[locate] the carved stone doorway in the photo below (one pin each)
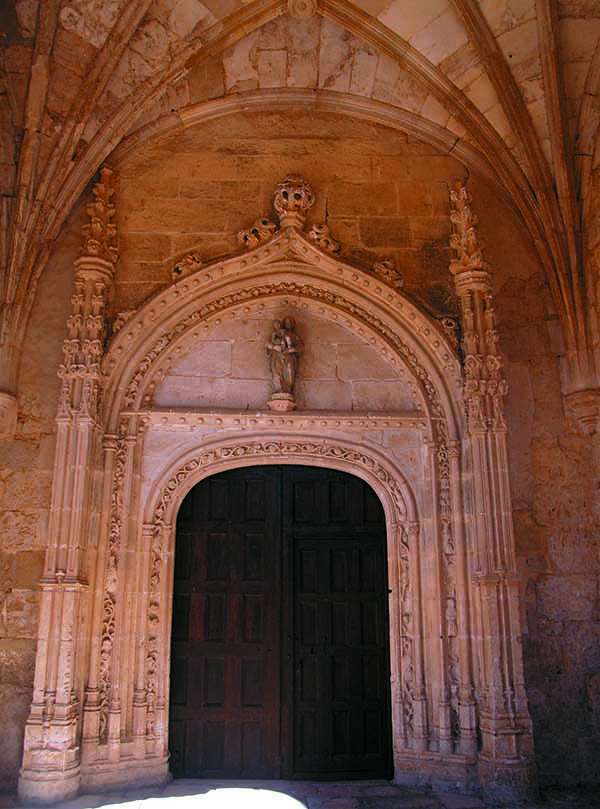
(280, 639)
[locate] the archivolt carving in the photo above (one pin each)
(316, 449)
(304, 450)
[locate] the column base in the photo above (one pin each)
(506, 783)
(128, 772)
(448, 773)
(48, 787)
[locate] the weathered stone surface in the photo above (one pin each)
(92, 20)
(69, 98)
(335, 373)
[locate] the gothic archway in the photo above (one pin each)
(279, 650)
(442, 480)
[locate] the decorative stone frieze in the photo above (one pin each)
(190, 420)
(121, 448)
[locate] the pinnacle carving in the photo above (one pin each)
(484, 384)
(100, 234)
(293, 199)
(464, 241)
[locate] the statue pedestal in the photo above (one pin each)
(281, 403)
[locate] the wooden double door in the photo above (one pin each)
(280, 651)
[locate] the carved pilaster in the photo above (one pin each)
(505, 759)
(51, 752)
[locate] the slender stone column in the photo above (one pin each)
(506, 757)
(51, 758)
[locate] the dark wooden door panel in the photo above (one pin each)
(339, 717)
(224, 711)
(274, 553)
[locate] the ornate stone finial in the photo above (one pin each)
(302, 9)
(100, 235)
(261, 232)
(283, 349)
(186, 266)
(293, 199)
(320, 235)
(386, 270)
(464, 241)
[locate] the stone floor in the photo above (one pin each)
(200, 794)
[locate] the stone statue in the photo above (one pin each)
(284, 349)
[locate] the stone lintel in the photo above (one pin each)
(298, 419)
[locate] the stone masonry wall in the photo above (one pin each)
(382, 194)
(26, 465)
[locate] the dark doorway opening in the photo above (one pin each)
(280, 637)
